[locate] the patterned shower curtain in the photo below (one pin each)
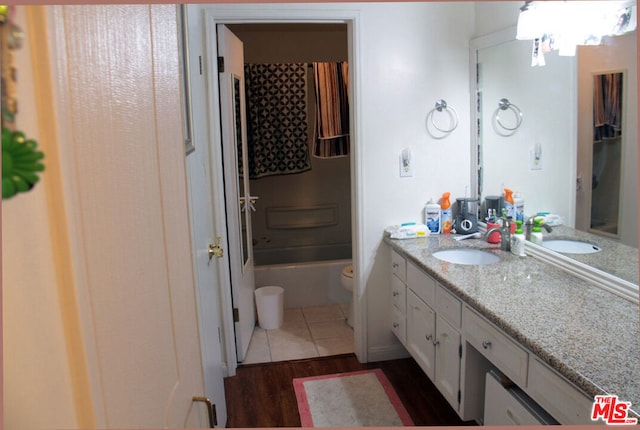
(332, 109)
(277, 137)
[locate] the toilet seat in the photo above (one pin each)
(348, 271)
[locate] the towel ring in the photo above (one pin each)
(503, 105)
(441, 105)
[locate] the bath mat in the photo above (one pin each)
(354, 399)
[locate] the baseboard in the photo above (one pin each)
(388, 352)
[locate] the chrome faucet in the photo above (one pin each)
(529, 226)
(505, 234)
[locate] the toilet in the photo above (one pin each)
(346, 280)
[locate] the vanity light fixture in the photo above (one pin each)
(562, 25)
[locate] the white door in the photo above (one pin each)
(203, 230)
(127, 211)
(236, 184)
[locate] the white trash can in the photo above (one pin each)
(270, 305)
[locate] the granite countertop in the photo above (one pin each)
(588, 335)
(615, 258)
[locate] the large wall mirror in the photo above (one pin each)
(551, 158)
(606, 170)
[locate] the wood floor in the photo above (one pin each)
(261, 395)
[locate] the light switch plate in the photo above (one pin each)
(535, 158)
(406, 163)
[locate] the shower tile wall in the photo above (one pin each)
(328, 182)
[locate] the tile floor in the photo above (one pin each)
(315, 331)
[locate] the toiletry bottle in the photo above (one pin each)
(445, 215)
(518, 204)
(508, 203)
(517, 240)
(536, 232)
(432, 216)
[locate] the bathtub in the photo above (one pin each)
(305, 283)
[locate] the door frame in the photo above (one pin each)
(266, 14)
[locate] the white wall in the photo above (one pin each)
(412, 55)
(38, 390)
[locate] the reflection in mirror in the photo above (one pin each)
(242, 203)
(607, 152)
(533, 151)
(549, 158)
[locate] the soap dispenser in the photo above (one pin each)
(536, 232)
(517, 240)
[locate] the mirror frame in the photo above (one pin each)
(595, 276)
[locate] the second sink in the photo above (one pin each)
(466, 256)
(570, 246)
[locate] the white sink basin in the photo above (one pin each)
(571, 246)
(466, 256)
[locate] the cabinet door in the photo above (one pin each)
(447, 350)
(421, 325)
(399, 325)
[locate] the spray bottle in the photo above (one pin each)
(445, 214)
(508, 204)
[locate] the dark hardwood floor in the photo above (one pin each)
(261, 395)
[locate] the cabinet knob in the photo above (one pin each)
(396, 294)
(394, 265)
(396, 325)
(428, 337)
(436, 343)
(486, 344)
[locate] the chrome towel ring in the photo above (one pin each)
(441, 105)
(503, 105)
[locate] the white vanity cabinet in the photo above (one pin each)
(552, 392)
(456, 347)
(433, 338)
(398, 297)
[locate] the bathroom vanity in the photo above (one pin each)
(550, 339)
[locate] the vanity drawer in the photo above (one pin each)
(557, 396)
(399, 266)
(498, 348)
(399, 325)
(448, 306)
(399, 294)
(422, 284)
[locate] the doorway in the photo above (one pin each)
(302, 221)
(203, 20)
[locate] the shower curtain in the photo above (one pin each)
(277, 136)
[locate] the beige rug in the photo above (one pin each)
(354, 399)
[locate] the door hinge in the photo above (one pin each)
(236, 315)
(220, 64)
(460, 350)
(200, 63)
(459, 396)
